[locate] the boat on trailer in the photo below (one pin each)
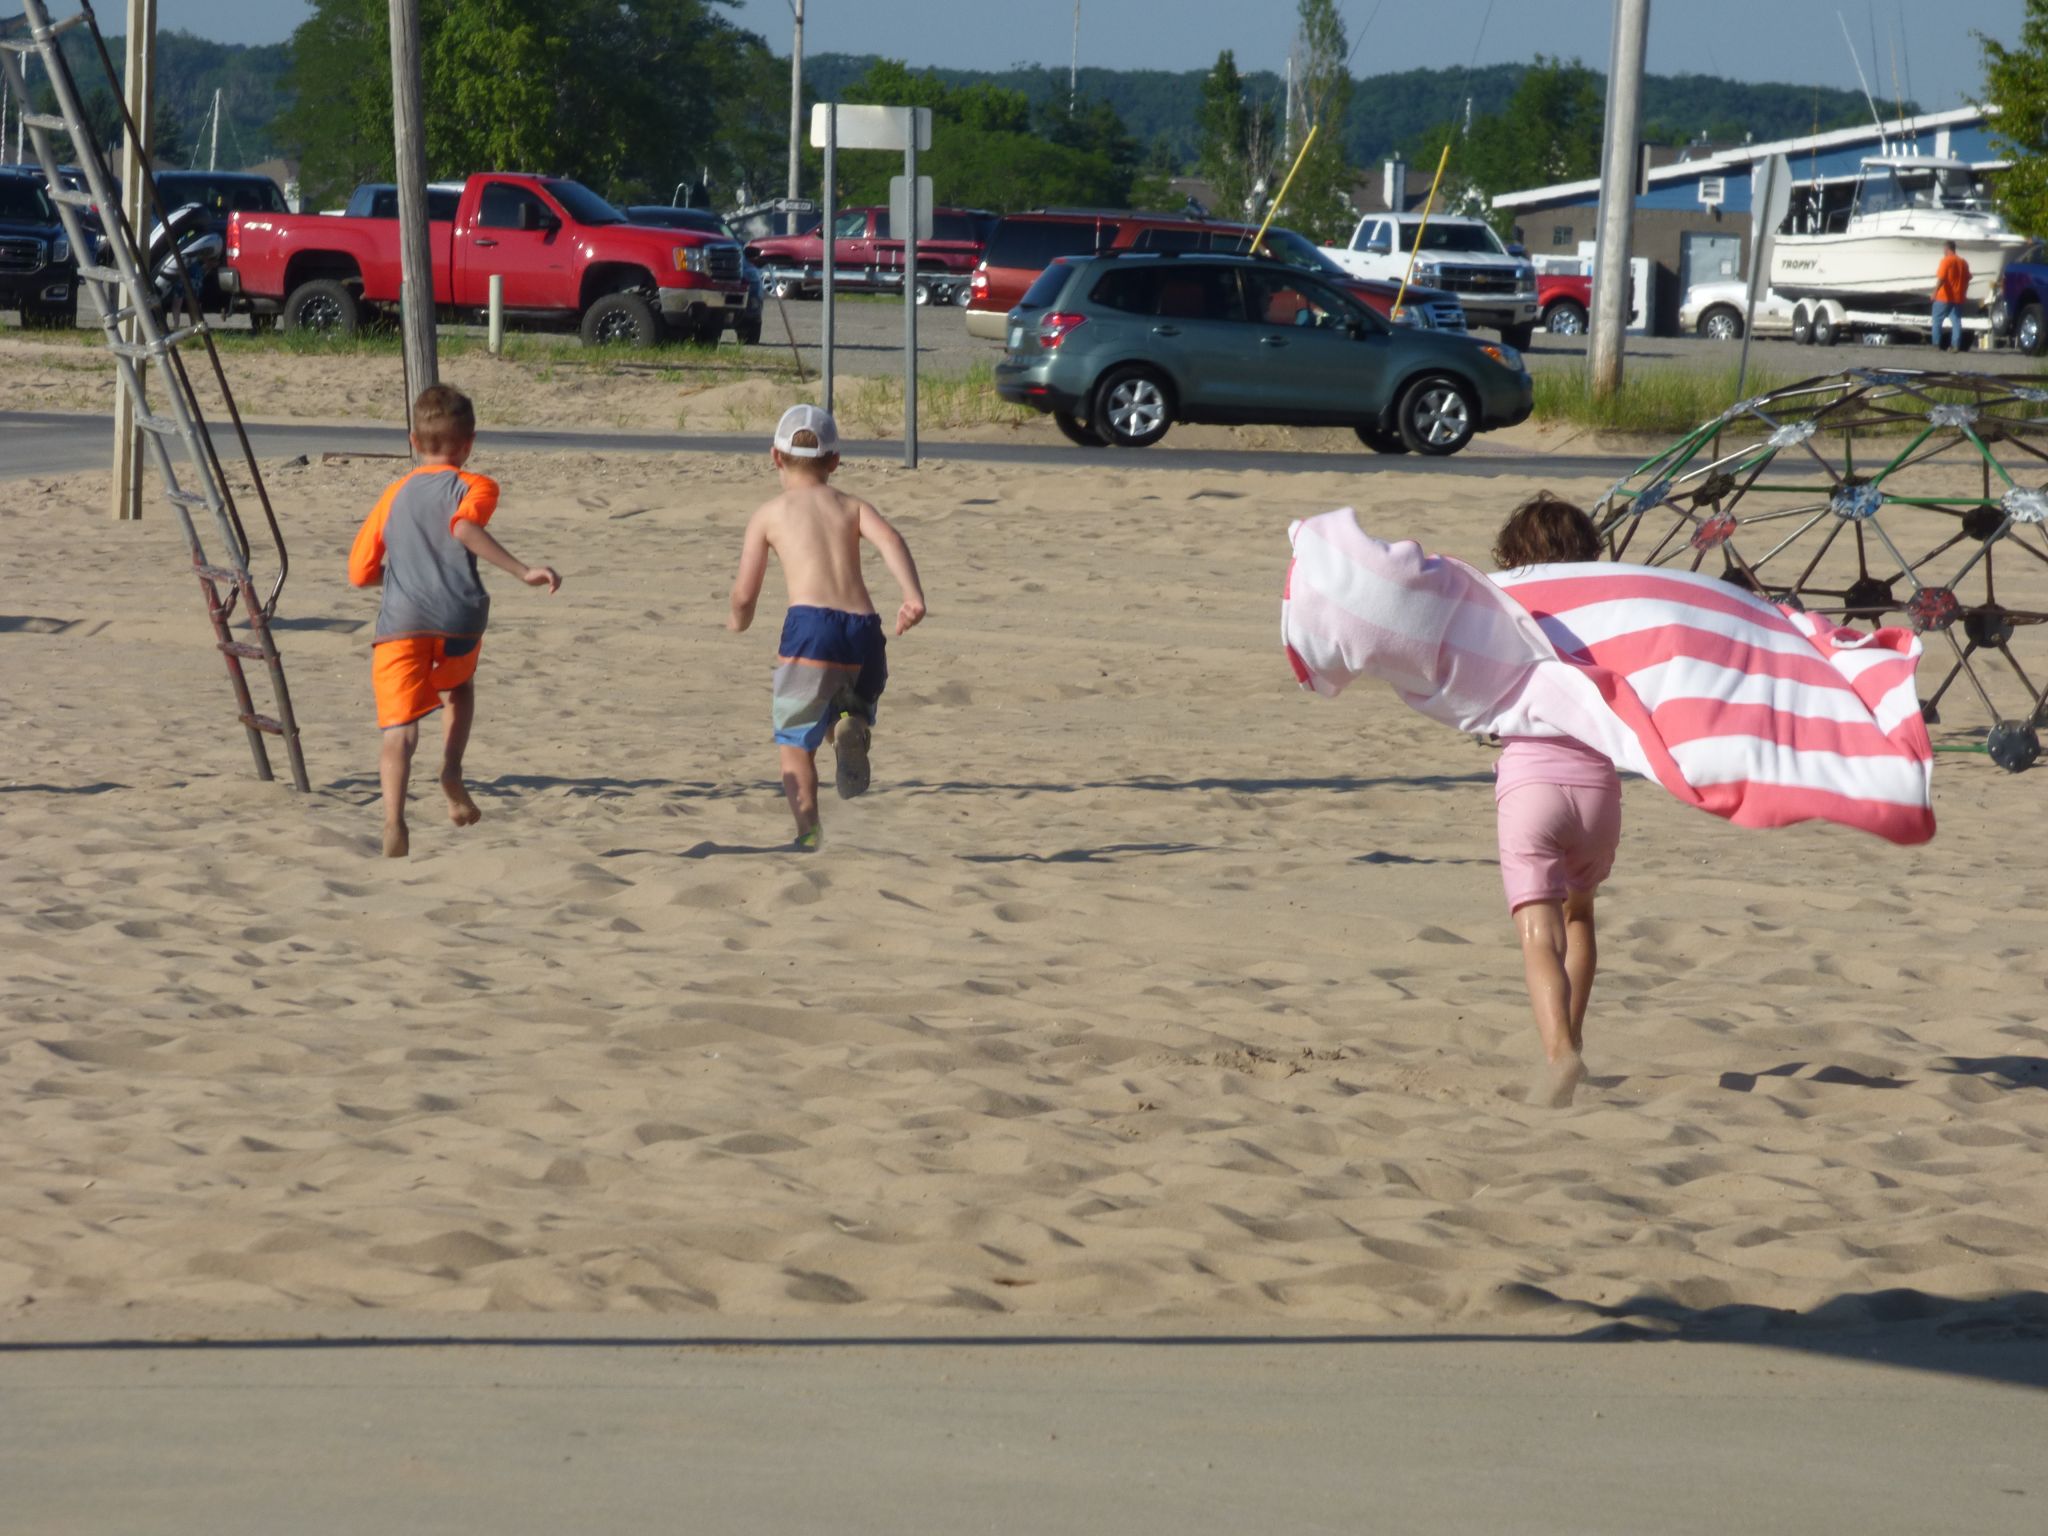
(1881, 251)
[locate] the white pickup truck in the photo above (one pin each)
(1496, 285)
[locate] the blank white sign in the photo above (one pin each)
(874, 127)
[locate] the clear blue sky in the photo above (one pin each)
(1789, 40)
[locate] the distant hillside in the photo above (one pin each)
(1390, 112)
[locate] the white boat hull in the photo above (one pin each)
(1884, 267)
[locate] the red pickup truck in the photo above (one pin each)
(866, 255)
(1563, 301)
(566, 255)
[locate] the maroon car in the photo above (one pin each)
(867, 255)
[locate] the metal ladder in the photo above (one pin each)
(120, 284)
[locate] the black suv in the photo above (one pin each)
(38, 273)
(1119, 347)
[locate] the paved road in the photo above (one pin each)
(864, 1436)
(58, 442)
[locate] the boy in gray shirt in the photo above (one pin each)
(420, 543)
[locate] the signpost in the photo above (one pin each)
(139, 84)
(1770, 201)
(835, 127)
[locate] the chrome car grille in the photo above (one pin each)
(1489, 280)
(723, 264)
(20, 255)
(1447, 316)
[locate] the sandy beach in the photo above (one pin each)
(1145, 986)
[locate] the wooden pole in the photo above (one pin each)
(1617, 196)
(796, 112)
(139, 86)
(422, 366)
(909, 235)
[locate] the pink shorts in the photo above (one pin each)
(1556, 839)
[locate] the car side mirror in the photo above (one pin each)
(1518, 250)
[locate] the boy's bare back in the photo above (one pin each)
(815, 532)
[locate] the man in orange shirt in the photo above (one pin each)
(1951, 293)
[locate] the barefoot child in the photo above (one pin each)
(831, 666)
(420, 543)
(1558, 804)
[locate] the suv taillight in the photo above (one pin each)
(1057, 327)
(978, 285)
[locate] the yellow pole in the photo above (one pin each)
(1260, 238)
(1421, 229)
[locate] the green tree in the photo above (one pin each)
(2016, 87)
(1318, 204)
(1238, 138)
(630, 97)
(1548, 131)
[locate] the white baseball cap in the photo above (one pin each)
(813, 419)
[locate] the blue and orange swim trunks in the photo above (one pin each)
(830, 663)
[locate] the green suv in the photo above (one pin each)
(1119, 347)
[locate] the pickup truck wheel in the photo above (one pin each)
(621, 320)
(1436, 416)
(1132, 408)
(1381, 439)
(2030, 335)
(1520, 337)
(1721, 323)
(323, 307)
(1565, 318)
(1075, 430)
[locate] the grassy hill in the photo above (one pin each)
(1389, 112)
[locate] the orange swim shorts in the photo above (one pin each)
(410, 675)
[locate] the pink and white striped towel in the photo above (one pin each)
(1763, 715)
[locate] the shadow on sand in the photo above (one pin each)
(2002, 1339)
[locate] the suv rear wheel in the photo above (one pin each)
(1075, 430)
(1132, 407)
(1436, 416)
(1381, 439)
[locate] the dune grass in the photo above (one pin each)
(1652, 401)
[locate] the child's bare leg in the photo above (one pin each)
(800, 786)
(461, 714)
(394, 768)
(1541, 927)
(1581, 959)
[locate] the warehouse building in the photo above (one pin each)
(1692, 218)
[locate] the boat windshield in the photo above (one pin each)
(1896, 188)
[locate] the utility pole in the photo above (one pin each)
(1074, 65)
(796, 112)
(1287, 132)
(1617, 196)
(138, 85)
(408, 136)
(213, 142)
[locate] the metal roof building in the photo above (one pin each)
(1692, 218)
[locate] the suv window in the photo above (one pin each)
(1033, 243)
(953, 226)
(1046, 286)
(1170, 238)
(1171, 290)
(1289, 298)
(502, 200)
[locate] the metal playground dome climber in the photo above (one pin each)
(1876, 497)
